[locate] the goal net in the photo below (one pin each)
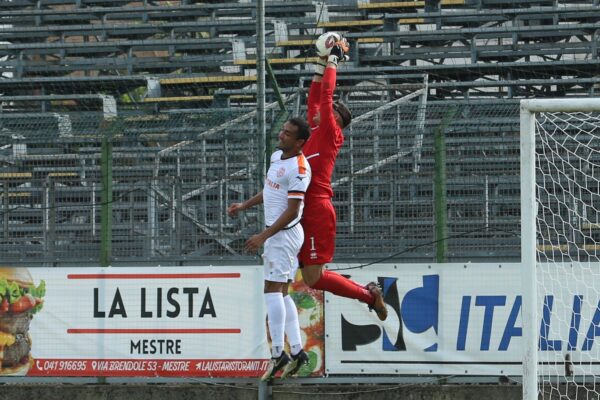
(560, 173)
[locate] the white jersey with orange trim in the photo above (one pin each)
(287, 178)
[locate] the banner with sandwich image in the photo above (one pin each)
(179, 321)
(20, 299)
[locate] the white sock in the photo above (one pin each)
(276, 314)
(292, 326)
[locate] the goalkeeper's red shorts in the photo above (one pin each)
(318, 222)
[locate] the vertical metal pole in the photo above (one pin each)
(46, 215)
(221, 208)
(204, 182)
(439, 190)
(300, 96)
(179, 217)
(6, 207)
(106, 200)
(105, 217)
(178, 206)
(173, 215)
(421, 115)
(93, 216)
(376, 150)
(351, 183)
(260, 90)
(261, 128)
(265, 391)
(528, 255)
(275, 85)
(49, 219)
(131, 214)
(486, 187)
(392, 189)
(152, 217)
(225, 201)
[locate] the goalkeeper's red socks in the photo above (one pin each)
(342, 286)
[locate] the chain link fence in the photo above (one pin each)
(173, 175)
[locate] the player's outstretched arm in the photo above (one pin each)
(314, 93)
(319, 69)
(234, 208)
(336, 55)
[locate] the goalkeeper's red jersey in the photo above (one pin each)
(325, 140)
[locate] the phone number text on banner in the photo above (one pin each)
(147, 368)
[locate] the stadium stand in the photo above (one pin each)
(179, 69)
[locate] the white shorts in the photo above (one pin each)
(281, 254)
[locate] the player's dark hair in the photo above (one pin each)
(303, 128)
(344, 112)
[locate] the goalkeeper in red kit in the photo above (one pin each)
(327, 119)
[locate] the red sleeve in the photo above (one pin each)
(327, 123)
(314, 95)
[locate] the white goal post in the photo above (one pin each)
(573, 129)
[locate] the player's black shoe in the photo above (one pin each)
(275, 365)
(298, 361)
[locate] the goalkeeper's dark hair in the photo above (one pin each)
(344, 112)
(303, 128)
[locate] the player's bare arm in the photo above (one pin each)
(234, 208)
(291, 213)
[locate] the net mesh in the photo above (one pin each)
(568, 231)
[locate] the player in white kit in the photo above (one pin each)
(283, 196)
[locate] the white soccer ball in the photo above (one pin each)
(325, 42)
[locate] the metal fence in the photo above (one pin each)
(173, 175)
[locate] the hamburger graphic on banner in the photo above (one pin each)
(20, 299)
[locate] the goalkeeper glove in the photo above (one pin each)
(320, 67)
(338, 53)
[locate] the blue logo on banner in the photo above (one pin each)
(417, 313)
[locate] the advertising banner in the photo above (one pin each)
(176, 321)
(309, 303)
(463, 319)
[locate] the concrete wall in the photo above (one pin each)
(250, 392)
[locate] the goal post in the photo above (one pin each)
(560, 197)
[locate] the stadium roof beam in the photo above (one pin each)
(133, 65)
(367, 5)
(109, 104)
(350, 76)
(531, 32)
(478, 51)
(295, 5)
(72, 84)
(152, 13)
(115, 46)
(456, 71)
(578, 13)
(105, 31)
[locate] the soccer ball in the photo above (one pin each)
(325, 42)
